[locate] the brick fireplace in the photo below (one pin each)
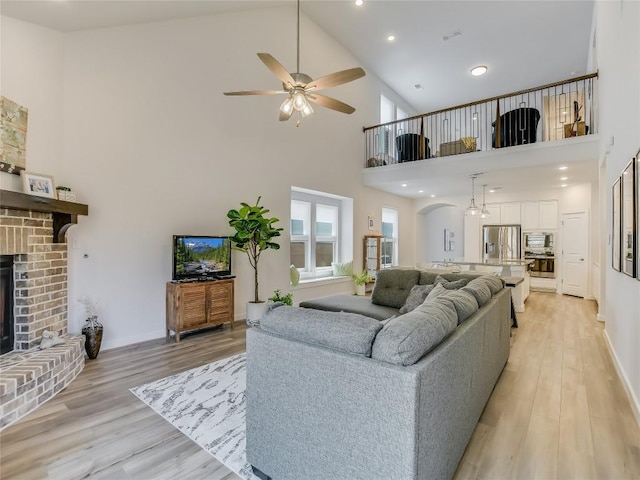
(32, 234)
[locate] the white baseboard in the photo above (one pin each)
(633, 400)
(600, 318)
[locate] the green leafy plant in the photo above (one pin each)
(254, 234)
(287, 298)
(362, 278)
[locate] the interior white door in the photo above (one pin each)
(575, 249)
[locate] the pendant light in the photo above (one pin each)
(484, 213)
(472, 210)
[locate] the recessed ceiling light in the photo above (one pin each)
(564, 178)
(479, 70)
(391, 38)
(562, 168)
(420, 191)
(563, 185)
(433, 195)
(403, 185)
(359, 3)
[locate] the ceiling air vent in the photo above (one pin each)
(451, 35)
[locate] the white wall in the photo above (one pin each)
(618, 58)
(432, 225)
(153, 147)
(31, 74)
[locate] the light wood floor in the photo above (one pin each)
(558, 411)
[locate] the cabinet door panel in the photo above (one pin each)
(530, 214)
(220, 302)
(549, 215)
(510, 213)
(192, 306)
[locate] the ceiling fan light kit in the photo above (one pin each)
(301, 88)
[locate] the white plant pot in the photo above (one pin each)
(254, 313)
(361, 290)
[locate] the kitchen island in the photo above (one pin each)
(515, 274)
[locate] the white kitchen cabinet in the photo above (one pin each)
(530, 215)
(494, 217)
(548, 218)
(510, 213)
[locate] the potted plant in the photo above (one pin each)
(287, 299)
(254, 234)
(361, 280)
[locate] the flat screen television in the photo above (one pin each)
(200, 257)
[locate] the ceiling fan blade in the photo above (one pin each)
(277, 69)
(331, 103)
(337, 78)
(256, 92)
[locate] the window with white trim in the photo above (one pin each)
(389, 244)
(317, 236)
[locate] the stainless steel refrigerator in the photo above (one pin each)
(501, 242)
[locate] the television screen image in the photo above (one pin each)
(201, 256)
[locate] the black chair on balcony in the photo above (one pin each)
(408, 146)
(517, 127)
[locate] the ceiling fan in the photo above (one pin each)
(301, 88)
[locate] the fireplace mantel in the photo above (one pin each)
(65, 214)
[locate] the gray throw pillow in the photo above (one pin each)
(417, 295)
(451, 285)
(407, 338)
(438, 289)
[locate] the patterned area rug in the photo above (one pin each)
(207, 404)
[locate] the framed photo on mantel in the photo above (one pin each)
(628, 217)
(38, 184)
(615, 231)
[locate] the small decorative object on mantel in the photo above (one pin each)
(92, 330)
(65, 193)
(50, 339)
(13, 136)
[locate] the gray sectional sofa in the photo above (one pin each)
(346, 396)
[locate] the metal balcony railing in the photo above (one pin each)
(547, 113)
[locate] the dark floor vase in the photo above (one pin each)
(92, 332)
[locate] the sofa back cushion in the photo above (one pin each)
(417, 295)
(407, 338)
(464, 303)
(345, 332)
(479, 289)
(393, 285)
(429, 276)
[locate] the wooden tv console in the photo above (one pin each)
(197, 305)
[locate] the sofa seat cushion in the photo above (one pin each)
(393, 285)
(351, 304)
(407, 338)
(345, 332)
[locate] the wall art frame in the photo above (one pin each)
(615, 227)
(628, 220)
(38, 184)
(13, 136)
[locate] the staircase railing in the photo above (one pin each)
(550, 112)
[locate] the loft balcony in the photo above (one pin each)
(559, 118)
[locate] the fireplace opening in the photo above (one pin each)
(6, 303)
